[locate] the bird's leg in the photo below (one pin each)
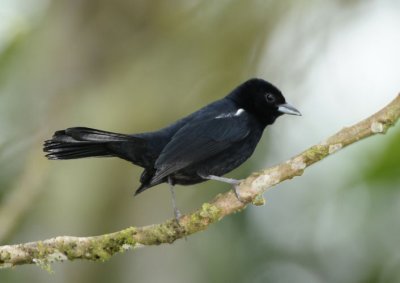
(234, 182)
(177, 213)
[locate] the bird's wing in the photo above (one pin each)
(199, 140)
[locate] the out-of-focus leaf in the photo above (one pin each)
(385, 168)
(9, 52)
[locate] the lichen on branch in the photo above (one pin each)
(101, 248)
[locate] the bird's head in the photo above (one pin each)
(263, 100)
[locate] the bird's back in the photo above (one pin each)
(157, 140)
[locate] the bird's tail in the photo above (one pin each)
(80, 142)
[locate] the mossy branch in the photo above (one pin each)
(251, 189)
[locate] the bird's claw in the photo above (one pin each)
(235, 189)
(177, 214)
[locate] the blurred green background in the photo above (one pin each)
(133, 65)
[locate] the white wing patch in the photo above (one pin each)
(227, 115)
(239, 112)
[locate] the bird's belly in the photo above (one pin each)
(219, 164)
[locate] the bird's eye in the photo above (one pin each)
(270, 98)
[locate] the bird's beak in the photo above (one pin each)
(288, 109)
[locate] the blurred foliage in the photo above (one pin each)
(8, 53)
(385, 167)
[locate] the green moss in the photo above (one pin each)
(259, 200)
(126, 238)
(99, 248)
(210, 211)
(41, 250)
(69, 250)
(316, 153)
(39, 256)
(164, 233)
(4, 257)
(201, 219)
(102, 248)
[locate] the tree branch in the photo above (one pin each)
(104, 246)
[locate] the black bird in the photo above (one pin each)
(202, 146)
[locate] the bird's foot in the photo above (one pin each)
(177, 214)
(235, 189)
(234, 182)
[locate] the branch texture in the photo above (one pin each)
(104, 246)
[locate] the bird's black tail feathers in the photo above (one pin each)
(80, 142)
